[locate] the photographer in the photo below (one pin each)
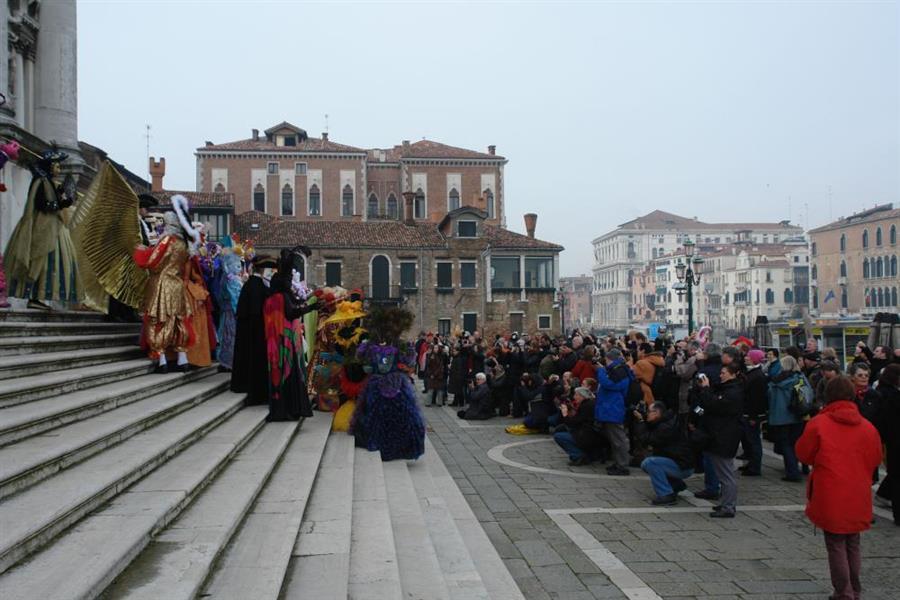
(529, 389)
(614, 380)
(671, 460)
(579, 438)
(720, 412)
(685, 369)
(459, 375)
(480, 407)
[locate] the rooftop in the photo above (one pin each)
(878, 213)
(659, 219)
(197, 199)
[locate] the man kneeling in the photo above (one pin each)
(672, 459)
(480, 405)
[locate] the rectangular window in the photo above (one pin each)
(445, 275)
(290, 140)
(470, 322)
(543, 321)
(467, 275)
(419, 206)
(466, 228)
(444, 327)
(272, 168)
(539, 273)
(332, 273)
(299, 168)
(408, 275)
(505, 273)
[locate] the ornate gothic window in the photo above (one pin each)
(287, 200)
(259, 198)
(315, 201)
(347, 201)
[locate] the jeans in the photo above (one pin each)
(844, 562)
(553, 420)
(786, 436)
(710, 478)
(752, 444)
(567, 442)
(663, 471)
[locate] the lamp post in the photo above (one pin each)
(688, 274)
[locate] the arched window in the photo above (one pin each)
(630, 249)
(788, 296)
(489, 201)
(372, 207)
(879, 267)
(220, 189)
(865, 269)
(287, 200)
(865, 238)
(880, 297)
(843, 243)
(894, 266)
(259, 198)
(347, 201)
(419, 204)
(866, 297)
(872, 267)
(893, 296)
(757, 295)
(380, 277)
(815, 298)
(892, 236)
(843, 297)
(392, 207)
(770, 296)
(815, 272)
(315, 201)
(843, 269)
(453, 203)
(878, 236)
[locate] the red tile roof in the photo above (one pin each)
(878, 213)
(659, 219)
(264, 145)
(431, 149)
(504, 239)
(197, 199)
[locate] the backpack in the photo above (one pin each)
(635, 395)
(659, 386)
(802, 397)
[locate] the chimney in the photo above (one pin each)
(408, 213)
(492, 150)
(157, 172)
(255, 134)
(530, 223)
(405, 144)
(208, 143)
(324, 136)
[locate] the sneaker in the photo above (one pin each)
(722, 513)
(668, 500)
(706, 495)
(617, 470)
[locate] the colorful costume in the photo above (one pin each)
(228, 291)
(199, 354)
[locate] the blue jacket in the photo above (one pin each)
(780, 391)
(613, 382)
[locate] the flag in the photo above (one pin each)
(829, 296)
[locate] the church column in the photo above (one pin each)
(56, 94)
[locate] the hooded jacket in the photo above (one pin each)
(613, 382)
(645, 369)
(843, 449)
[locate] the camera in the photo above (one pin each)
(698, 410)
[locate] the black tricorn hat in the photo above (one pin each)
(263, 261)
(147, 201)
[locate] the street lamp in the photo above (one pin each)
(688, 274)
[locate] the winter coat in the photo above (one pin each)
(435, 366)
(567, 362)
(613, 381)
(584, 369)
(843, 449)
(480, 405)
(781, 390)
(756, 398)
(459, 374)
(887, 420)
(645, 370)
(867, 400)
(722, 411)
(685, 369)
(581, 425)
(666, 438)
(548, 366)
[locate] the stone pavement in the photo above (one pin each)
(576, 533)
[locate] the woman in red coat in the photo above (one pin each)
(843, 449)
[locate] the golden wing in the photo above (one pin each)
(107, 229)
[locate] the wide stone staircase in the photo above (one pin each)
(117, 483)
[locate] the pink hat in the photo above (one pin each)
(756, 356)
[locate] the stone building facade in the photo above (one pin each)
(285, 173)
(576, 301)
(854, 270)
(460, 274)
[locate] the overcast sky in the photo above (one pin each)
(606, 111)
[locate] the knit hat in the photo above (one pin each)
(584, 392)
(756, 356)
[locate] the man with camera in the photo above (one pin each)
(609, 412)
(672, 459)
(480, 405)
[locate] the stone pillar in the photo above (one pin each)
(56, 93)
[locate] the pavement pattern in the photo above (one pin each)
(575, 533)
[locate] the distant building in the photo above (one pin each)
(621, 254)
(214, 209)
(576, 301)
(854, 264)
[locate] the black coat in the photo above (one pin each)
(887, 420)
(721, 418)
(756, 399)
(459, 374)
(581, 425)
(480, 405)
(666, 438)
(250, 372)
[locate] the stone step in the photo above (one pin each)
(35, 516)
(177, 561)
(460, 573)
(26, 315)
(20, 390)
(48, 362)
(256, 559)
(497, 579)
(31, 418)
(18, 346)
(86, 559)
(10, 329)
(373, 558)
(420, 571)
(31, 460)
(320, 564)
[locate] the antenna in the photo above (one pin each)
(147, 135)
(326, 122)
(830, 216)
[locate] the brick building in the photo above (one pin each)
(461, 273)
(214, 209)
(576, 301)
(285, 173)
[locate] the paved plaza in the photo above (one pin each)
(576, 533)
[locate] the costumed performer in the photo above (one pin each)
(199, 354)
(228, 290)
(167, 306)
(249, 373)
(282, 313)
(8, 151)
(40, 256)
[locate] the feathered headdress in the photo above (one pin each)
(181, 207)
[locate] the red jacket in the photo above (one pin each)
(843, 449)
(584, 369)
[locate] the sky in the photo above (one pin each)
(727, 111)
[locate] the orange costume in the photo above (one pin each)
(199, 354)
